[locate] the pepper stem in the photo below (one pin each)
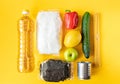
(68, 11)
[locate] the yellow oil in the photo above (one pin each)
(25, 46)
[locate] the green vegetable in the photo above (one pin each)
(86, 34)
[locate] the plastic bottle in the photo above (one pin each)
(25, 49)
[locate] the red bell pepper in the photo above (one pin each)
(71, 19)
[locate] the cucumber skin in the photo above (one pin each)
(86, 34)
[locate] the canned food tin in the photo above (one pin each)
(84, 70)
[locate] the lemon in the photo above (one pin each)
(72, 38)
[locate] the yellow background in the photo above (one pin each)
(10, 12)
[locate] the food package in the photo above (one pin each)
(55, 70)
(49, 32)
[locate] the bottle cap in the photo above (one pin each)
(25, 12)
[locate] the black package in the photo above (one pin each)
(55, 70)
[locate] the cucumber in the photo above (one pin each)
(86, 34)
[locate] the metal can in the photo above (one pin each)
(84, 70)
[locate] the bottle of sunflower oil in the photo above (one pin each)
(25, 49)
